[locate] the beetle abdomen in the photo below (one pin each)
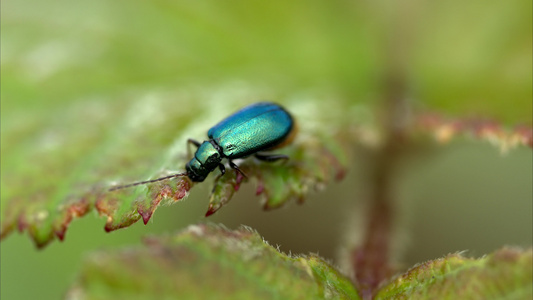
(254, 128)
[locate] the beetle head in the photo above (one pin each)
(205, 160)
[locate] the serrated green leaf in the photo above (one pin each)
(311, 165)
(208, 262)
(504, 274)
(92, 95)
(46, 207)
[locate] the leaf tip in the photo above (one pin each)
(238, 180)
(145, 215)
(60, 233)
(212, 209)
(260, 187)
(21, 223)
(108, 227)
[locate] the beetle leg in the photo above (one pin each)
(271, 157)
(234, 166)
(194, 142)
(222, 169)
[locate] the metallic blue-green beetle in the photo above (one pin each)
(258, 127)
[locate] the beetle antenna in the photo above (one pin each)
(119, 187)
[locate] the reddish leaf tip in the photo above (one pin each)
(260, 188)
(267, 206)
(238, 180)
(146, 215)
(211, 210)
(61, 233)
(41, 245)
(108, 228)
(341, 173)
(21, 224)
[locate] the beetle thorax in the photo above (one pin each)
(205, 160)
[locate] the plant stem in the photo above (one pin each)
(370, 261)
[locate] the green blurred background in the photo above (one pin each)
(459, 59)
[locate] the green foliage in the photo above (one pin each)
(100, 93)
(76, 187)
(504, 274)
(208, 262)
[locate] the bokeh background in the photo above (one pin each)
(455, 58)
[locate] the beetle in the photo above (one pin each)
(262, 126)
